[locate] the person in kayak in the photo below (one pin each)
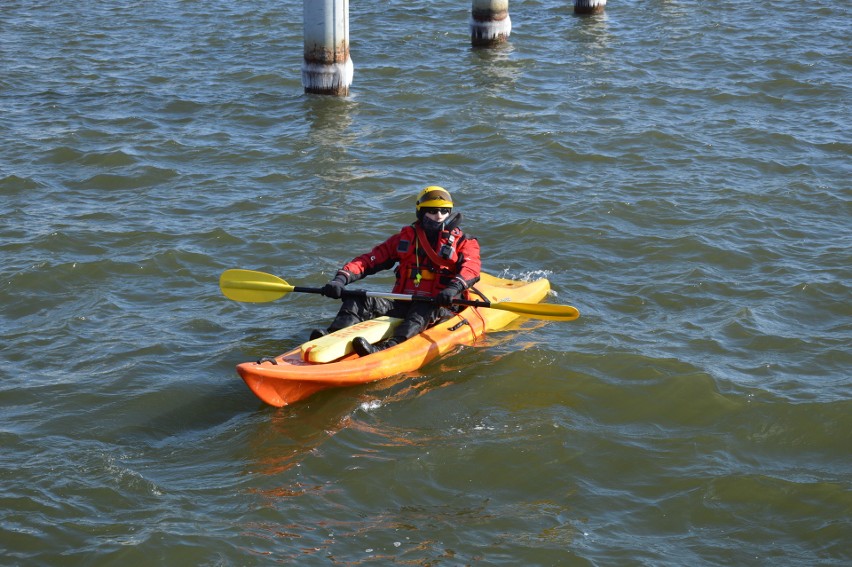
(434, 258)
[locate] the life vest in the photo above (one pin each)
(425, 270)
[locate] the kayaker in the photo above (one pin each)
(433, 257)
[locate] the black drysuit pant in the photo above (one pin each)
(416, 315)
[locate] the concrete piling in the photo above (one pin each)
(589, 6)
(327, 68)
(490, 23)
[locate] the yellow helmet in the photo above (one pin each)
(434, 196)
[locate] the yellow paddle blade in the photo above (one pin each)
(251, 286)
(539, 310)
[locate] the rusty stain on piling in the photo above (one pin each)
(589, 6)
(320, 55)
(484, 15)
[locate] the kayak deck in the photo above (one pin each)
(291, 377)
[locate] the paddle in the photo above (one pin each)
(257, 287)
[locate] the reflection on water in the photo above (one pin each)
(592, 35)
(330, 119)
(292, 433)
(493, 69)
(330, 141)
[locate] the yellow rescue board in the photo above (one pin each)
(339, 343)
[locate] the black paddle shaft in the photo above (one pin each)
(400, 296)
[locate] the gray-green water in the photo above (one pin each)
(679, 170)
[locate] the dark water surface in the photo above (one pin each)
(679, 170)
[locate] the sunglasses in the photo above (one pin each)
(436, 210)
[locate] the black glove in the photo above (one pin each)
(334, 288)
(449, 293)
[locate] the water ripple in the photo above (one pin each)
(679, 173)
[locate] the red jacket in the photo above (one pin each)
(455, 257)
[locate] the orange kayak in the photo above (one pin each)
(290, 377)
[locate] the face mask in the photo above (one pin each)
(430, 225)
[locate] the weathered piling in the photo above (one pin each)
(589, 6)
(490, 23)
(327, 67)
